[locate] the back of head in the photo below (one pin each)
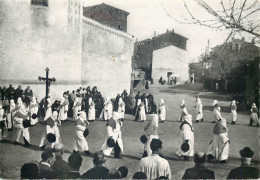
(47, 154)
(140, 175)
(58, 149)
(113, 174)
(75, 161)
(199, 158)
(29, 171)
(156, 144)
(124, 171)
(246, 155)
(99, 158)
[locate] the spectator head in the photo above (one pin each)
(75, 161)
(123, 171)
(29, 171)
(20, 87)
(48, 156)
(58, 149)
(246, 155)
(99, 158)
(140, 175)
(10, 85)
(199, 158)
(156, 145)
(113, 174)
(162, 177)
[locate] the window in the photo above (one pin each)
(39, 2)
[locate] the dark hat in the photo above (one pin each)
(185, 147)
(26, 123)
(140, 175)
(123, 171)
(111, 142)
(86, 132)
(34, 116)
(51, 137)
(246, 152)
(143, 139)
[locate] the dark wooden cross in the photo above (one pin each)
(48, 81)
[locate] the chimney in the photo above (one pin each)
(154, 34)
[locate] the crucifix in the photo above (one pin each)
(48, 81)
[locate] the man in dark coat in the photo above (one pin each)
(18, 92)
(199, 171)
(99, 171)
(46, 172)
(244, 171)
(60, 166)
(75, 161)
(10, 90)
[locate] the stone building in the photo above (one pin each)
(36, 34)
(107, 15)
(148, 52)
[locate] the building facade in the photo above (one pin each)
(108, 15)
(36, 34)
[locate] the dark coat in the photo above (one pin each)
(98, 172)
(244, 172)
(46, 172)
(73, 175)
(198, 172)
(60, 166)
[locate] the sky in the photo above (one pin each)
(148, 16)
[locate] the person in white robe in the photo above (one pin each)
(198, 110)
(76, 108)
(107, 111)
(141, 110)
(63, 110)
(91, 110)
(254, 117)
(162, 111)
(121, 109)
(184, 111)
(79, 142)
(48, 111)
(187, 135)
(151, 132)
(33, 108)
(20, 115)
(233, 109)
(114, 131)
(51, 123)
(216, 111)
(219, 146)
(10, 114)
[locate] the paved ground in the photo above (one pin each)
(241, 135)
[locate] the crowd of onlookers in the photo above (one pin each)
(53, 166)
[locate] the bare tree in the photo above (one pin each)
(235, 15)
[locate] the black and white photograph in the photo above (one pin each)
(129, 89)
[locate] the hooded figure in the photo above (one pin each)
(76, 108)
(141, 111)
(107, 110)
(183, 110)
(121, 109)
(33, 110)
(21, 115)
(114, 133)
(187, 136)
(233, 109)
(198, 109)
(151, 132)
(91, 110)
(51, 127)
(63, 109)
(254, 116)
(216, 111)
(162, 110)
(219, 146)
(80, 143)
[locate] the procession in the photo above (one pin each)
(146, 89)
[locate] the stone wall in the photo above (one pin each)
(35, 37)
(170, 59)
(106, 58)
